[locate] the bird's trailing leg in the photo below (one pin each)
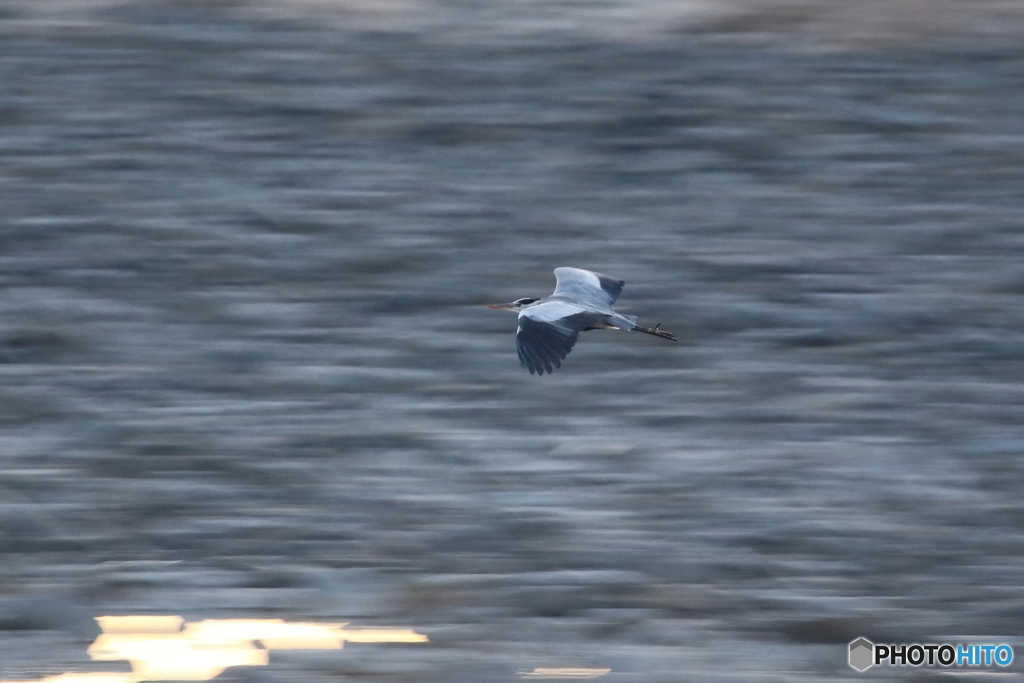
(656, 331)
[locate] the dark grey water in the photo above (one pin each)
(245, 370)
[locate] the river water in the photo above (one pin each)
(246, 371)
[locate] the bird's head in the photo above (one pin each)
(517, 305)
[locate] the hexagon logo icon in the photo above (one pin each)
(862, 653)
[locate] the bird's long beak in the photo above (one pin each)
(502, 307)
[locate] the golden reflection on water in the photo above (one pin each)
(565, 673)
(162, 648)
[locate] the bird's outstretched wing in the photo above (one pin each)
(585, 285)
(548, 331)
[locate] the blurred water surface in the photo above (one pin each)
(245, 371)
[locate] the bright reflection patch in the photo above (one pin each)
(164, 648)
(565, 673)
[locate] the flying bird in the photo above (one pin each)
(582, 300)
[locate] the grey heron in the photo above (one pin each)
(582, 300)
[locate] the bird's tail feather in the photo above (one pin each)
(623, 322)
